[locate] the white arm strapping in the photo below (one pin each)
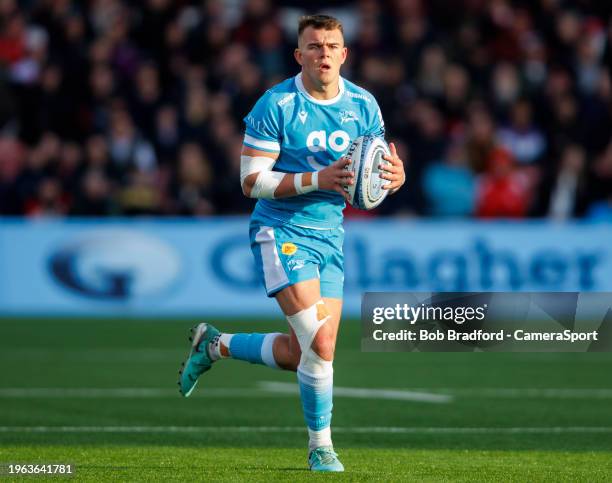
(254, 164)
(267, 180)
(266, 184)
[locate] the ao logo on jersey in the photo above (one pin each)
(318, 141)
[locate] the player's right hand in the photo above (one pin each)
(335, 177)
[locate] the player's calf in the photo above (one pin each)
(254, 347)
(315, 373)
(287, 352)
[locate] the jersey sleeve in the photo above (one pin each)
(376, 126)
(263, 126)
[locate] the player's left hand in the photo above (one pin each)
(393, 172)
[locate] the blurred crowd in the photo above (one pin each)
(499, 108)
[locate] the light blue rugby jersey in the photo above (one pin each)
(309, 134)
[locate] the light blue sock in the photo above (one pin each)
(254, 348)
(316, 393)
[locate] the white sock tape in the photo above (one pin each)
(267, 353)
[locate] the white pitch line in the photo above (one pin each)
(268, 389)
(460, 430)
(121, 392)
(518, 393)
(363, 393)
(300, 429)
(264, 389)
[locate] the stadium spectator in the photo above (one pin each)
(128, 149)
(450, 185)
(503, 191)
(480, 137)
(564, 195)
(11, 165)
(93, 195)
(524, 140)
(600, 186)
(505, 87)
(146, 98)
(49, 200)
(456, 97)
(192, 188)
(12, 39)
(139, 194)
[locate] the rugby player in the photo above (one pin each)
(292, 162)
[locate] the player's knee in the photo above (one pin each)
(324, 343)
(315, 337)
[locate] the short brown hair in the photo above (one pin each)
(325, 22)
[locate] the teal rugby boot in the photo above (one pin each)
(199, 360)
(324, 458)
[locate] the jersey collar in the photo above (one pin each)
(300, 86)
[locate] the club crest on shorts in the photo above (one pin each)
(288, 248)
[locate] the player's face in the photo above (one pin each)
(321, 52)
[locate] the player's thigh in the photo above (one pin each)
(332, 268)
(300, 296)
(287, 256)
(332, 280)
(334, 307)
(328, 245)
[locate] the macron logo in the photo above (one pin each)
(302, 115)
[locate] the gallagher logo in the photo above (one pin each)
(115, 265)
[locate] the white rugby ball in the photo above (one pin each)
(366, 154)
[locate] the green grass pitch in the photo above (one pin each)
(102, 396)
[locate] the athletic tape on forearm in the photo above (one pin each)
(266, 184)
(254, 164)
(300, 178)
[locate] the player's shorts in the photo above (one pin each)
(288, 254)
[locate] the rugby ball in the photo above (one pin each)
(366, 154)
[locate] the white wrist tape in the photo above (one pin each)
(298, 180)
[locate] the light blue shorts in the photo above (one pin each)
(288, 254)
